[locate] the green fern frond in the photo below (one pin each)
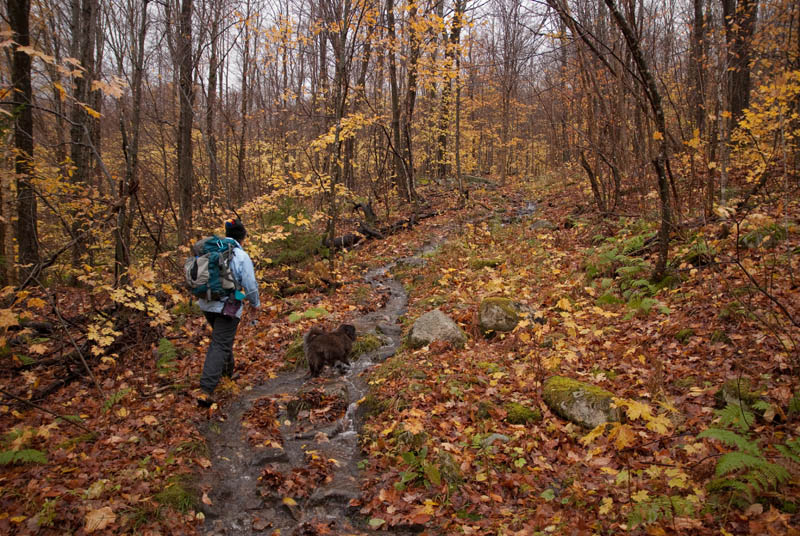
(8, 457)
(731, 462)
(166, 356)
(736, 415)
(790, 450)
(761, 405)
(731, 439)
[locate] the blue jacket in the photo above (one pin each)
(242, 269)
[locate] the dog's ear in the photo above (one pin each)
(350, 330)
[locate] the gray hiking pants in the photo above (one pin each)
(219, 358)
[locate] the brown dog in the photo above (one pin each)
(327, 347)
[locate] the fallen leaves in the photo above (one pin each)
(99, 519)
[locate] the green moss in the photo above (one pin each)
(435, 300)
(365, 344)
(684, 335)
(685, 383)
(178, 494)
(561, 386)
(484, 410)
(736, 391)
(294, 353)
(720, 336)
(582, 403)
(794, 405)
(479, 264)
(506, 304)
(372, 405)
(519, 414)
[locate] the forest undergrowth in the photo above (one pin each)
(458, 440)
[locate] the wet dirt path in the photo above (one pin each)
(240, 504)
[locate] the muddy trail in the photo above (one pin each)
(319, 456)
(309, 456)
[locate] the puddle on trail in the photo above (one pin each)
(241, 504)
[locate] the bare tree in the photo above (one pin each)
(27, 229)
(186, 97)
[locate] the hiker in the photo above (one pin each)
(223, 315)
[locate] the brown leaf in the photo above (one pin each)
(99, 519)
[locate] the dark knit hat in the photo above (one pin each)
(235, 229)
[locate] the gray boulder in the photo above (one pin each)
(582, 403)
(435, 326)
(498, 315)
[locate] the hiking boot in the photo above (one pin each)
(204, 400)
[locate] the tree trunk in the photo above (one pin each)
(211, 104)
(660, 161)
(186, 97)
(84, 26)
(130, 149)
(400, 176)
(26, 231)
(411, 97)
(740, 23)
(241, 178)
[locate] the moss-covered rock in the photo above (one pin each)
(684, 335)
(579, 402)
(478, 264)
(517, 413)
(718, 336)
(365, 344)
(498, 315)
(736, 391)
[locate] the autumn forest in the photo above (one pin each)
(566, 234)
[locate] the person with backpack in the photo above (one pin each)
(221, 274)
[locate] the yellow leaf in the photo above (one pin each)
(91, 111)
(150, 420)
(659, 424)
(100, 519)
(525, 337)
(623, 436)
(18, 519)
(428, 508)
(38, 348)
(122, 412)
(564, 304)
(414, 426)
(8, 318)
(480, 477)
(37, 303)
(594, 434)
(288, 501)
(606, 506)
(640, 496)
(657, 135)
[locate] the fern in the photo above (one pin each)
(745, 473)
(658, 508)
(113, 399)
(731, 439)
(9, 457)
(166, 356)
(790, 450)
(735, 415)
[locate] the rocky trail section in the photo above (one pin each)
(300, 476)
